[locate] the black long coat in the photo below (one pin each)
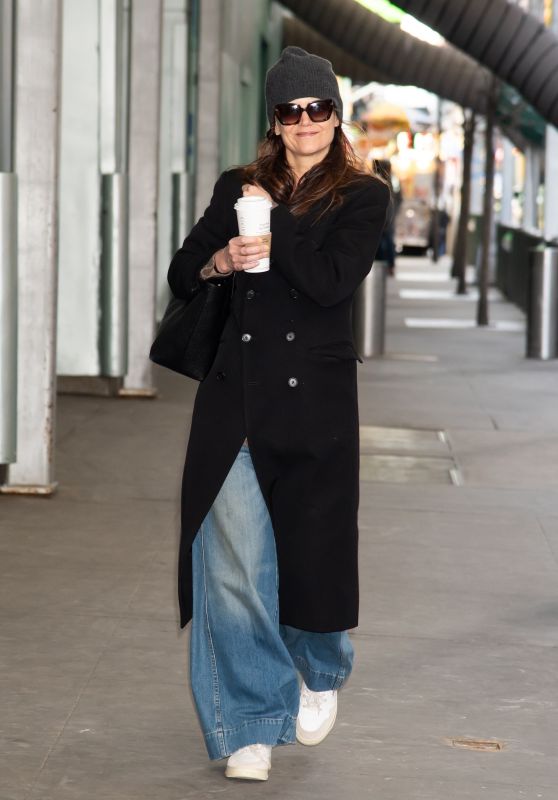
(285, 377)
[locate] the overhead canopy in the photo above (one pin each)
(514, 44)
(352, 38)
(399, 56)
(295, 32)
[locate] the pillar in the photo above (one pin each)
(551, 163)
(38, 40)
(208, 122)
(143, 167)
(508, 176)
(531, 187)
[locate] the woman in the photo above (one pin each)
(268, 555)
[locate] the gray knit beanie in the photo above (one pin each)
(300, 74)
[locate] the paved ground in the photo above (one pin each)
(458, 634)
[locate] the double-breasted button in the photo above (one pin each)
(290, 336)
(220, 376)
(250, 294)
(246, 337)
(293, 293)
(293, 382)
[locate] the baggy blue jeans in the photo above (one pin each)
(243, 662)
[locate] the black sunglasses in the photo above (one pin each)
(291, 113)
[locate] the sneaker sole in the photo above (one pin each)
(250, 773)
(309, 739)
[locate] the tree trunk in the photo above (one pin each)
(488, 202)
(460, 246)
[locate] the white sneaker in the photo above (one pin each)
(316, 715)
(252, 762)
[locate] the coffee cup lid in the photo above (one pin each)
(252, 200)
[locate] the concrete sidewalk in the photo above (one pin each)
(458, 634)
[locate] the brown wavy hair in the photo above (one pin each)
(340, 168)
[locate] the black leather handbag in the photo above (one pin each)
(189, 333)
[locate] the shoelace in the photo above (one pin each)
(261, 749)
(315, 699)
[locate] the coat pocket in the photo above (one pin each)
(338, 349)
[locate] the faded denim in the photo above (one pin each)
(244, 664)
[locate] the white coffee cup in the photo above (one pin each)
(253, 214)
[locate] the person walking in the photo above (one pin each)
(268, 559)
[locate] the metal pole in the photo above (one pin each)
(38, 40)
(542, 310)
(460, 244)
(114, 67)
(8, 241)
(488, 204)
(180, 191)
(369, 312)
(8, 318)
(114, 276)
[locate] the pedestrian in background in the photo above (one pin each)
(386, 248)
(443, 222)
(268, 563)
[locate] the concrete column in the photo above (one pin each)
(551, 184)
(145, 89)
(551, 163)
(477, 172)
(173, 208)
(6, 84)
(208, 122)
(8, 242)
(38, 40)
(81, 129)
(532, 183)
(508, 174)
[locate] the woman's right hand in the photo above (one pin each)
(243, 252)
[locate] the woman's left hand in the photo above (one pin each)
(255, 190)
